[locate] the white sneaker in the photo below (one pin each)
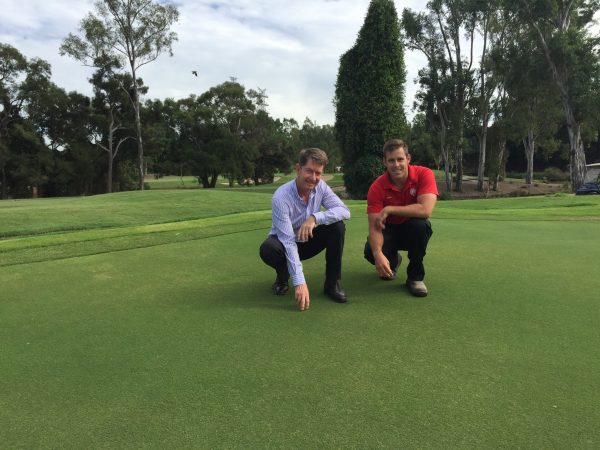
(417, 288)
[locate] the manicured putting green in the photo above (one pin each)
(180, 344)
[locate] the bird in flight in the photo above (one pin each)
(195, 73)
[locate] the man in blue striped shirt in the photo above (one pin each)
(300, 230)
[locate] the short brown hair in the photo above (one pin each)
(394, 144)
(316, 154)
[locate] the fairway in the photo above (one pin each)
(145, 320)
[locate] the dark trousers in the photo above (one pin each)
(412, 235)
(325, 237)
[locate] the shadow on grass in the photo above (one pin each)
(237, 295)
(363, 287)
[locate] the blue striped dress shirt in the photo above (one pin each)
(290, 211)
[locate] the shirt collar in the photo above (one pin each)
(311, 193)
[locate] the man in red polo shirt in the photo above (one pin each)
(399, 204)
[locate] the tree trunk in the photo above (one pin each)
(109, 150)
(444, 148)
(109, 176)
(482, 148)
(138, 127)
(576, 151)
(484, 110)
(204, 180)
(501, 168)
(529, 144)
(459, 150)
(447, 174)
(3, 194)
(459, 168)
(213, 179)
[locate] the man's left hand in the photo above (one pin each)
(306, 229)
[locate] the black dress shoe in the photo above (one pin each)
(335, 292)
(280, 287)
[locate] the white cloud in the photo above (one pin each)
(289, 48)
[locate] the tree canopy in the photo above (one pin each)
(130, 34)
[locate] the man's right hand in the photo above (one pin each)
(302, 296)
(380, 220)
(382, 265)
(306, 229)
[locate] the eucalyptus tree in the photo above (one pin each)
(322, 136)
(485, 85)
(160, 119)
(423, 142)
(527, 110)
(13, 66)
(65, 122)
(111, 108)
(503, 106)
(439, 34)
(493, 23)
(195, 136)
(132, 32)
(536, 114)
(436, 96)
(23, 83)
(32, 159)
(276, 151)
(232, 114)
(369, 96)
(49, 114)
(561, 30)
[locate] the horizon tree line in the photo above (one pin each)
(536, 80)
(533, 85)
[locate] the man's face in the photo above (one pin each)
(308, 176)
(396, 163)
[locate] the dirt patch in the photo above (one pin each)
(511, 188)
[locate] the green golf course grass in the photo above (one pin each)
(146, 320)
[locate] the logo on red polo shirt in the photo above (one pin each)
(413, 191)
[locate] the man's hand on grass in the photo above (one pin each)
(383, 266)
(302, 296)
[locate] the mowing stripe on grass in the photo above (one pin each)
(90, 242)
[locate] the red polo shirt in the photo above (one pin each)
(383, 192)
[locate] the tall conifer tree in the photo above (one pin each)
(369, 96)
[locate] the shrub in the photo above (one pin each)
(445, 195)
(126, 176)
(359, 177)
(554, 174)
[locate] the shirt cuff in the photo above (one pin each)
(319, 217)
(298, 279)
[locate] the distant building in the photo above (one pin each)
(592, 174)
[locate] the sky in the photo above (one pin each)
(290, 48)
